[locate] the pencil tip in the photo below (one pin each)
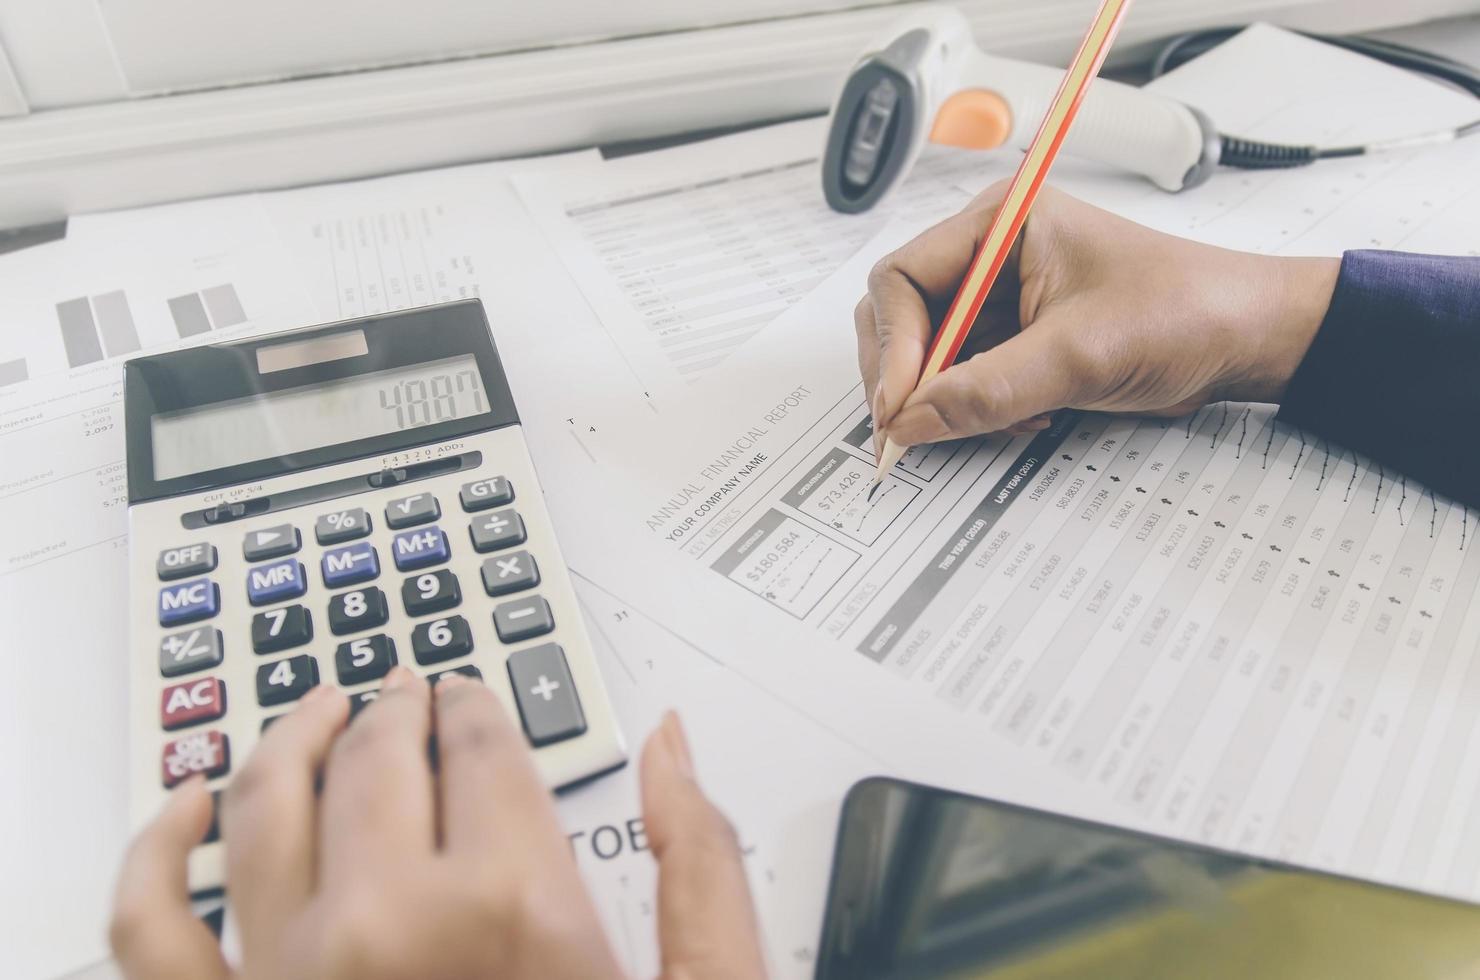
(873, 490)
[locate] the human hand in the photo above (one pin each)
(1091, 311)
(396, 870)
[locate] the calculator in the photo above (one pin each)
(317, 506)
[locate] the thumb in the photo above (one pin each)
(154, 934)
(1027, 375)
(706, 924)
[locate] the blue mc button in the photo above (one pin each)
(188, 601)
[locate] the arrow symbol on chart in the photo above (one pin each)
(1067, 458)
(1219, 524)
(1166, 501)
(1426, 614)
(1395, 600)
(1191, 512)
(1364, 587)
(1092, 468)
(1303, 561)
(1115, 479)
(1247, 536)
(1275, 547)
(1140, 489)
(1333, 573)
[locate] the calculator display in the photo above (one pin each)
(294, 420)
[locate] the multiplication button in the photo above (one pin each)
(483, 494)
(513, 572)
(522, 619)
(501, 529)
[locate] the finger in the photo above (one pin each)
(378, 806)
(926, 270)
(868, 348)
(268, 816)
(153, 933)
(1027, 375)
(706, 923)
(489, 788)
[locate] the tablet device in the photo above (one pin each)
(928, 883)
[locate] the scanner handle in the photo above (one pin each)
(1163, 140)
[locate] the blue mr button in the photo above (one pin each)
(276, 582)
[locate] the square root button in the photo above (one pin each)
(546, 695)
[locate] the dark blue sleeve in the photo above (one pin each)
(1394, 371)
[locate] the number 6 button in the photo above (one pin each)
(441, 639)
(286, 680)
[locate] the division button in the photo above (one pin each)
(192, 702)
(279, 629)
(418, 549)
(367, 659)
(286, 680)
(483, 494)
(207, 752)
(441, 639)
(420, 508)
(545, 694)
(362, 609)
(190, 559)
(189, 651)
(271, 542)
(349, 565)
(188, 602)
(513, 572)
(341, 525)
(522, 619)
(430, 592)
(501, 529)
(276, 582)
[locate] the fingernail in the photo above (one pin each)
(398, 678)
(918, 423)
(683, 761)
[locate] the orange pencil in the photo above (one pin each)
(1021, 194)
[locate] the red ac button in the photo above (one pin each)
(192, 702)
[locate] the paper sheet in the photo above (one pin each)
(1218, 628)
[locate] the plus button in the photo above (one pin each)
(546, 688)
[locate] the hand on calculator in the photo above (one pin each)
(349, 855)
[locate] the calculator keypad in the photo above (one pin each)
(546, 695)
(501, 529)
(495, 491)
(514, 572)
(190, 703)
(286, 680)
(337, 527)
(207, 752)
(362, 609)
(271, 542)
(430, 592)
(523, 619)
(281, 629)
(441, 639)
(189, 651)
(188, 602)
(182, 562)
(419, 508)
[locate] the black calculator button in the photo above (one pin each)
(467, 670)
(186, 560)
(546, 695)
(430, 592)
(286, 680)
(341, 525)
(271, 542)
(269, 721)
(279, 629)
(483, 494)
(501, 529)
(213, 832)
(187, 602)
(365, 659)
(521, 619)
(362, 609)
(419, 508)
(420, 548)
(359, 702)
(513, 572)
(349, 565)
(189, 651)
(276, 582)
(207, 752)
(441, 639)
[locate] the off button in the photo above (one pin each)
(191, 559)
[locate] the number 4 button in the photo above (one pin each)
(286, 680)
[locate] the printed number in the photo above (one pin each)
(282, 675)
(428, 586)
(278, 617)
(438, 633)
(361, 653)
(354, 604)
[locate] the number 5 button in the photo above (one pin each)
(441, 639)
(367, 659)
(286, 680)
